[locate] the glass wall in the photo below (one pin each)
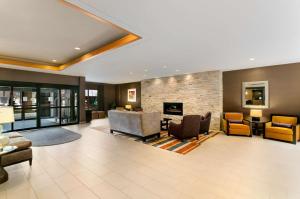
(49, 106)
(24, 101)
(40, 106)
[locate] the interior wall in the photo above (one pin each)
(199, 93)
(122, 92)
(284, 95)
(109, 96)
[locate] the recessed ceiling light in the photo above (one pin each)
(165, 66)
(252, 59)
(54, 60)
(77, 48)
(177, 70)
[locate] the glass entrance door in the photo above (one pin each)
(24, 101)
(49, 107)
(39, 105)
(69, 106)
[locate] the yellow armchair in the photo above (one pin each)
(283, 128)
(234, 124)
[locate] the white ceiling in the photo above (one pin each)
(46, 30)
(193, 36)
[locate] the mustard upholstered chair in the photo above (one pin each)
(283, 127)
(234, 124)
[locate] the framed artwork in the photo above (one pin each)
(132, 95)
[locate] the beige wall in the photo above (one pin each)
(199, 92)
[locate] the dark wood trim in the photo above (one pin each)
(141, 137)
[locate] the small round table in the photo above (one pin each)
(164, 124)
(3, 173)
(258, 125)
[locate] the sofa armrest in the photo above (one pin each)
(268, 124)
(174, 129)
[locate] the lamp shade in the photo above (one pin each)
(255, 113)
(7, 114)
(128, 106)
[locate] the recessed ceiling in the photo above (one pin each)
(191, 36)
(51, 32)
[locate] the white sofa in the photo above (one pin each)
(140, 124)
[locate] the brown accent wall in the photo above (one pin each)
(284, 88)
(37, 77)
(109, 95)
(121, 94)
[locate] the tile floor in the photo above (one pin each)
(100, 165)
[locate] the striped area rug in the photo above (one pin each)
(183, 147)
(166, 142)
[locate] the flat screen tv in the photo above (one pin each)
(173, 108)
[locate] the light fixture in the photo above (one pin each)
(164, 66)
(255, 114)
(130, 73)
(77, 48)
(54, 60)
(177, 70)
(252, 59)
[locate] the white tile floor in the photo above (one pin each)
(100, 165)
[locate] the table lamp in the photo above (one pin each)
(256, 114)
(128, 107)
(6, 116)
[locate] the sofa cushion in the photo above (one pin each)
(277, 124)
(239, 126)
(13, 134)
(20, 142)
(285, 119)
(236, 121)
(281, 130)
(234, 116)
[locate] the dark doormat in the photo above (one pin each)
(50, 136)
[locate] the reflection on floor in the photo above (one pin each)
(100, 165)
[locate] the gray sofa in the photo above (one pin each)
(140, 124)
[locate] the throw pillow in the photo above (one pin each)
(277, 124)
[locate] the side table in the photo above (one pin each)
(164, 124)
(258, 126)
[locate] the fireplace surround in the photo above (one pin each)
(173, 108)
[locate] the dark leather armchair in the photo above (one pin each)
(205, 123)
(188, 128)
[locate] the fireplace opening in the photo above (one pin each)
(173, 108)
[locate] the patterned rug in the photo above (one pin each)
(183, 147)
(167, 142)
